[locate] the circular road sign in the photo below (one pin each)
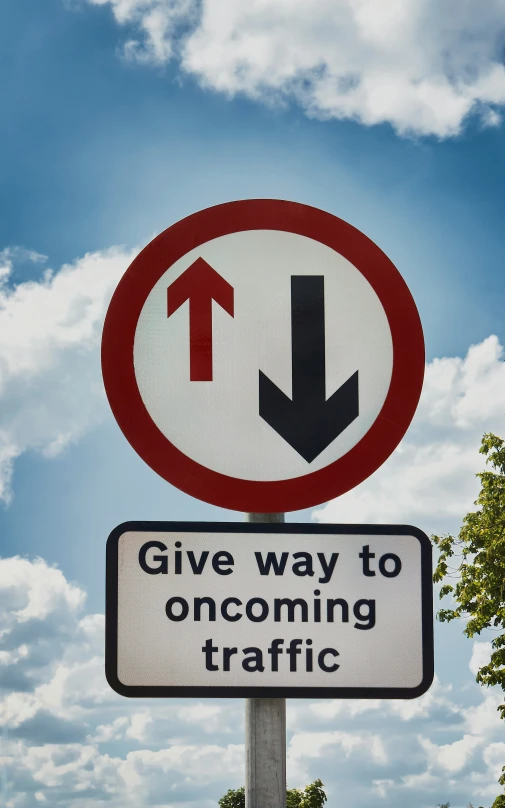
(263, 355)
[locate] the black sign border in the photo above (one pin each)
(164, 691)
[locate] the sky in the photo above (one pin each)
(119, 118)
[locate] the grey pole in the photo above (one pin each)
(265, 736)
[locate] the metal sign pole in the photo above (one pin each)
(265, 736)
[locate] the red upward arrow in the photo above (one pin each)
(200, 284)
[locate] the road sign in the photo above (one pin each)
(263, 356)
(271, 610)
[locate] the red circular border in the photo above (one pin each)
(270, 495)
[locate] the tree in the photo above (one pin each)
(480, 591)
(294, 797)
(234, 798)
(312, 796)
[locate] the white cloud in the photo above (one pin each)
(436, 698)
(450, 757)
(139, 723)
(382, 787)
(15, 255)
(494, 756)
(481, 654)
(483, 718)
(314, 744)
(208, 717)
(50, 385)
(463, 393)
(106, 732)
(305, 746)
(36, 589)
(329, 709)
(430, 479)
(192, 761)
(418, 65)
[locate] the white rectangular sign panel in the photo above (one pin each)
(299, 610)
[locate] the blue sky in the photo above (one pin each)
(103, 145)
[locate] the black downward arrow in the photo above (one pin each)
(308, 422)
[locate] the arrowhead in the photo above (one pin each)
(311, 424)
(200, 281)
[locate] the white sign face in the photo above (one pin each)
(263, 356)
(258, 265)
(304, 610)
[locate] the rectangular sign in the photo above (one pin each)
(269, 610)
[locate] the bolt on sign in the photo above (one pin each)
(263, 356)
(237, 609)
